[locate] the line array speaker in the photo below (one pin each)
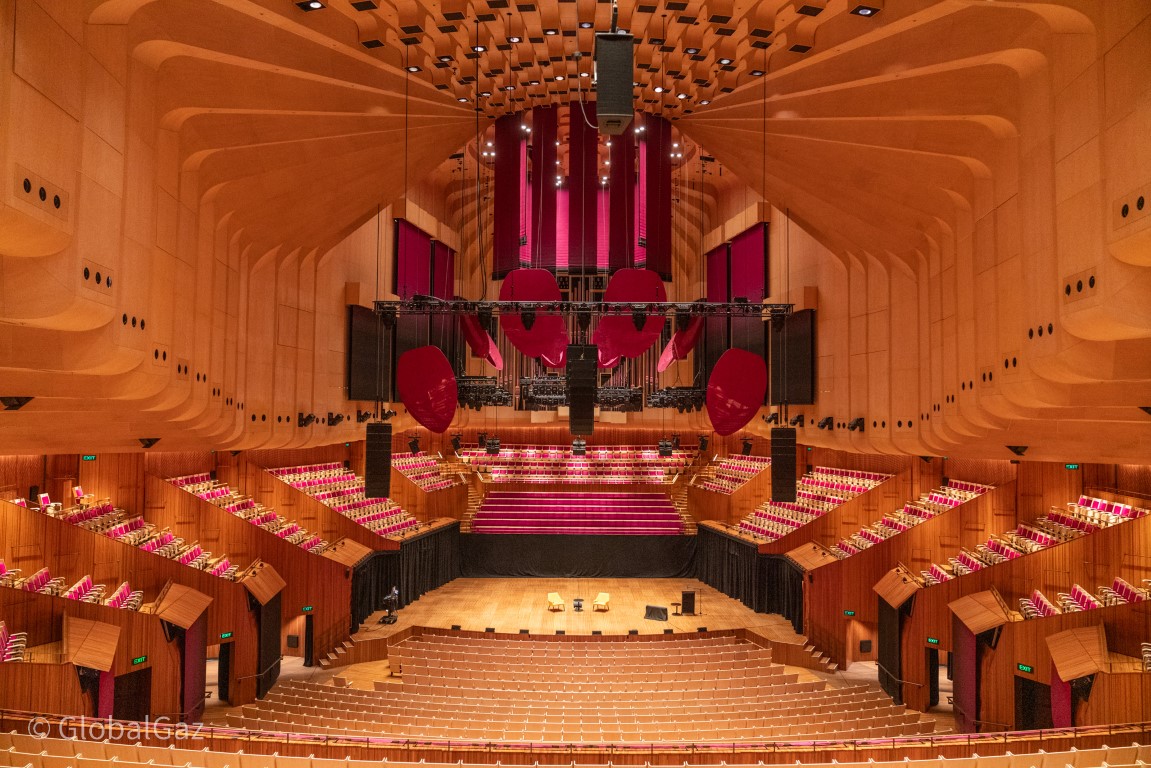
(614, 62)
(783, 464)
(378, 461)
(581, 385)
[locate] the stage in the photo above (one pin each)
(511, 604)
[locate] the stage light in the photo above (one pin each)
(463, 99)
(797, 420)
(856, 424)
(551, 32)
(362, 416)
(659, 89)
(414, 445)
(705, 102)
(869, 9)
(638, 317)
(413, 68)
(771, 418)
(148, 442)
(334, 418)
(1018, 450)
(478, 48)
(725, 62)
(826, 423)
(585, 25)
(757, 73)
(14, 403)
(305, 420)
(691, 51)
(515, 39)
(310, 5)
(528, 318)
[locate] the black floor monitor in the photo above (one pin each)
(656, 613)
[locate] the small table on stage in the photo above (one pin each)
(676, 611)
(577, 604)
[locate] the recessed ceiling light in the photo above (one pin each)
(551, 31)
(310, 5)
(704, 102)
(585, 74)
(725, 61)
(585, 25)
(478, 48)
(659, 89)
(757, 73)
(681, 96)
(485, 94)
(444, 59)
(691, 51)
(865, 10)
(509, 87)
(413, 68)
(462, 99)
(515, 39)
(560, 77)
(533, 82)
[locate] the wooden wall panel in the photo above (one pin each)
(18, 473)
(116, 476)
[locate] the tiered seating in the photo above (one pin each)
(817, 493)
(251, 510)
(730, 473)
(1037, 606)
(424, 471)
(1060, 524)
(556, 464)
(577, 513)
(337, 487)
(717, 689)
(913, 513)
(145, 536)
(12, 644)
(82, 590)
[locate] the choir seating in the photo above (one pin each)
(912, 514)
(425, 471)
(1060, 524)
(557, 464)
(337, 487)
(700, 689)
(518, 512)
(730, 473)
(817, 493)
(247, 508)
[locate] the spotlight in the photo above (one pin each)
(691, 51)
(528, 318)
(659, 89)
(148, 442)
(457, 442)
(334, 418)
(638, 317)
(1018, 450)
(704, 102)
(702, 443)
(771, 418)
(310, 5)
(866, 10)
(797, 420)
(444, 59)
(746, 451)
(583, 317)
(855, 424)
(826, 423)
(388, 316)
(463, 99)
(414, 445)
(305, 420)
(681, 96)
(14, 403)
(362, 416)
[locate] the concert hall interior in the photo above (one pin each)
(567, 382)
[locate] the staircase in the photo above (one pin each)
(475, 498)
(679, 500)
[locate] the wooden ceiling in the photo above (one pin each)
(955, 185)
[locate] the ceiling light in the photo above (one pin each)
(515, 39)
(691, 51)
(444, 59)
(462, 99)
(551, 31)
(704, 102)
(584, 74)
(725, 61)
(310, 5)
(865, 10)
(675, 145)
(659, 89)
(681, 96)
(478, 48)
(560, 77)
(533, 82)
(489, 144)
(365, 5)
(585, 25)
(413, 68)
(485, 94)
(757, 73)
(509, 87)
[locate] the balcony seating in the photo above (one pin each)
(425, 471)
(817, 493)
(510, 512)
(556, 464)
(12, 644)
(338, 488)
(729, 474)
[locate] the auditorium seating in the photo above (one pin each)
(817, 493)
(1060, 524)
(1038, 606)
(699, 689)
(82, 590)
(337, 487)
(12, 644)
(247, 508)
(913, 513)
(577, 513)
(729, 474)
(556, 464)
(425, 471)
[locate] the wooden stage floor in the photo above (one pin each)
(509, 605)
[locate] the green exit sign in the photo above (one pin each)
(849, 613)
(307, 609)
(1071, 466)
(933, 641)
(1025, 668)
(139, 660)
(225, 635)
(88, 457)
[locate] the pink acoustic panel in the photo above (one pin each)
(427, 387)
(616, 335)
(680, 344)
(548, 337)
(736, 390)
(480, 341)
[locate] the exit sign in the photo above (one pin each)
(1071, 466)
(88, 457)
(1025, 668)
(307, 609)
(849, 613)
(933, 641)
(225, 635)
(139, 660)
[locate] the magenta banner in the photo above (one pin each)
(413, 260)
(621, 191)
(507, 188)
(545, 121)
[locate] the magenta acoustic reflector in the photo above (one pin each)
(736, 390)
(547, 337)
(427, 387)
(617, 335)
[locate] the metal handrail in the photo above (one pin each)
(897, 679)
(967, 717)
(261, 674)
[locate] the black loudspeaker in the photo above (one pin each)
(614, 62)
(793, 360)
(782, 464)
(687, 603)
(378, 461)
(656, 613)
(581, 376)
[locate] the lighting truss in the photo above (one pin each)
(683, 399)
(425, 305)
(543, 393)
(478, 391)
(626, 399)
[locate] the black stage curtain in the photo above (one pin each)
(782, 589)
(268, 647)
(421, 564)
(730, 565)
(564, 556)
(890, 655)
